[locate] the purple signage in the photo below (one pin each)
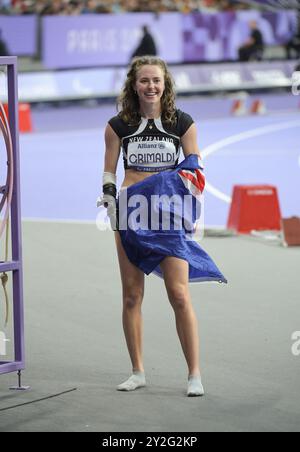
(110, 39)
(215, 37)
(19, 34)
(103, 40)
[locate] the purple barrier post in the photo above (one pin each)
(15, 265)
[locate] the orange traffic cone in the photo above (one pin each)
(238, 107)
(258, 107)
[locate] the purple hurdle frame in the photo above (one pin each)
(15, 265)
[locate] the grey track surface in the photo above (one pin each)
(74, 338)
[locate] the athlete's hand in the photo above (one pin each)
(109, 202)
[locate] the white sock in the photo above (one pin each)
(137, 380)
(195, 387)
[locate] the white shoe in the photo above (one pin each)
(195, 387)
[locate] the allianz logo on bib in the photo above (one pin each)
(147, 146)
(151, 146)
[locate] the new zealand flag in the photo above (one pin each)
(158, 217)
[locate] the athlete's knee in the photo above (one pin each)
(179, 296)
(133, 299)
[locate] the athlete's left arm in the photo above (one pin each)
(189, 142)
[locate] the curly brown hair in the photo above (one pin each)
(128, 101)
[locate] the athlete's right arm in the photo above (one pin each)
(112, 150)
(109, 180)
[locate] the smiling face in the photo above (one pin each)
(150, 85)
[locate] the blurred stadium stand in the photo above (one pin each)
(45, 7)
(75, 7)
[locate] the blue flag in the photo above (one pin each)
(157, 217)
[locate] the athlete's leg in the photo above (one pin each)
(133, 291)
(176, 273)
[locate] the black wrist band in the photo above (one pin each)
(110, 189)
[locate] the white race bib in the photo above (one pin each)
(151, 154)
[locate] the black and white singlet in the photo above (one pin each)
(153, 145)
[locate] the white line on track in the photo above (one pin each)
(221, 144)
